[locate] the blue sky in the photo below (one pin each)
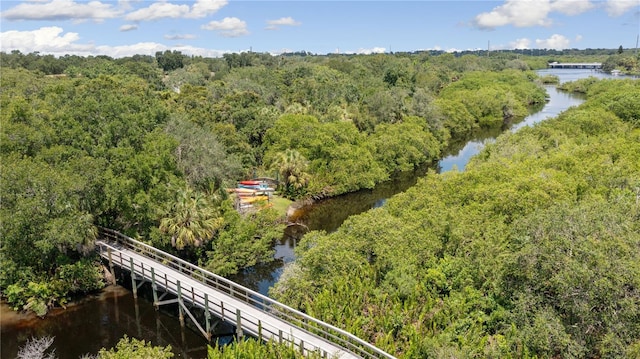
(213, 27)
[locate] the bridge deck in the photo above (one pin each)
(575, 65)
(254, 320)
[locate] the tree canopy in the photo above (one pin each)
(531, 252)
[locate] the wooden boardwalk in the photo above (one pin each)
(252, 313)
(575, 65)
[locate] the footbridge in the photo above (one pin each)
(575, 65)
(175, 281)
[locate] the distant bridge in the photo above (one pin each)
(249, 311)
(575, 65)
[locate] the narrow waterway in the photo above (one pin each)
(329, 214)
(101, 320)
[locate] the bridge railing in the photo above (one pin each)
(263, 303)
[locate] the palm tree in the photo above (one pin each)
(291, 166)
(192, 220)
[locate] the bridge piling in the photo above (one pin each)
(154, 288)
(113, 272)
(180, 310)
(134, 287)
(239, 333)
(207, 317)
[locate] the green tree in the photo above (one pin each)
(132, 348)
(244, 240)
(255, 349)
(530, 252)
(170, 60)
(192, 220)
(202, 157)
(291, 167)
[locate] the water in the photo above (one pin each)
(558, 102)
(327, 215)
(100, 321)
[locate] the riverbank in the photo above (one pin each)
(487, 261)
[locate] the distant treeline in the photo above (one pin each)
(52, 65)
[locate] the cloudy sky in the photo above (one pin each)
(120, 28)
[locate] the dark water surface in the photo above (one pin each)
(100, 321)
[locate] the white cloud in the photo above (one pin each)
(128, 27)
(203, 8)
(162, 9)
(61, 10)
(228, 27)
(557, 42)
(373, 50)
(519, 44)
(571, 7)
(51, 40)
(180, 37)
(519, 13)
(45, 40)
(283, 21)
(150, 48)
(280, 52)
(527, 13)
(578, 38)
(619, 7)
(125, 4)
(159, 10)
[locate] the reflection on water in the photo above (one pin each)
(99, 322)
(558, 101)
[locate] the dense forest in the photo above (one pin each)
(147, 145)
(496, 261)
(533, 251)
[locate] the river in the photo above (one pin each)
(328, 215)
(101, 320)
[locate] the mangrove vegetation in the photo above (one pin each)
(533, 251)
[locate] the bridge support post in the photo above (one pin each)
(134, 287)
(113, 273)
(154, 288)
(207, 317)
(180, 310)
(239, 333)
